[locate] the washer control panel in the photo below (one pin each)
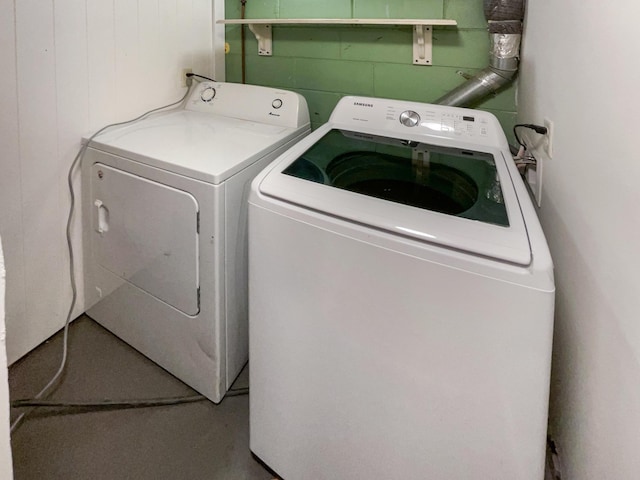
(249, 102)
(401, 117)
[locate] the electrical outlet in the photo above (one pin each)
(183, 76)
(540, 148)
(534, 178)
(548, 138)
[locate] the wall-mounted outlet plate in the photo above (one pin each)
(548, 140)
(537, 148)
(182, 82)
(534, 178)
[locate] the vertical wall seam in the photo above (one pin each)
(86, 27)
(19, 159)
(85, 128)
(191, 41)
(116, 92)
(59, 158)
(138, 39)
(86, 44)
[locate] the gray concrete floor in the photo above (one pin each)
(198, 441)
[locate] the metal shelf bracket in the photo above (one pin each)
(422, 45)
(262, 33)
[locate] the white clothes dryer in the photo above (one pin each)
(166, 243)
(401, 301)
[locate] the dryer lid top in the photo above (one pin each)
(199, 145)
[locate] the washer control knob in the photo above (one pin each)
(409, 118)
(277, 103)
(208, 94)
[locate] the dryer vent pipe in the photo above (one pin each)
(505, 27)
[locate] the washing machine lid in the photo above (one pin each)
(199, 145)
(441, 194)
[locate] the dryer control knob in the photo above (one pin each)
(277, 103)
(409, 118)
(208, 94)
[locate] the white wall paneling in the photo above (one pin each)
(72, 100)
(151, 45)
(101, 41)
(201, 26)
(70, 67)
(6, 470)
(11, 224)
(219, 40)
(128, 66)
(579, 70)
(41, 214)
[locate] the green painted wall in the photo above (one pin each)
(324, 63)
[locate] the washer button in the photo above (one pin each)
(208, 94)
(277, 103)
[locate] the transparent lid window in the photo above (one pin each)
(455, 182)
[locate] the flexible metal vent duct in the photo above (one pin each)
(505, 27)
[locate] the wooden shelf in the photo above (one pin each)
(339, 21)
(422, 30)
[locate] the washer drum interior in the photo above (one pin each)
(421, 184)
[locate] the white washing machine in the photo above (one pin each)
(166, 244)
(401, 301)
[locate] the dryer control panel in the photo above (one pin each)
(250, 102)
(420, 119)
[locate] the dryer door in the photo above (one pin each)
(147, 234)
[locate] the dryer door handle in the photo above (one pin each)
(103, 217)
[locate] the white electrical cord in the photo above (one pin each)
(72, 275)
